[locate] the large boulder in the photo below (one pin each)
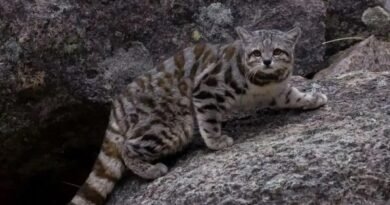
(338, 154)
(368, 55)
(69, 40)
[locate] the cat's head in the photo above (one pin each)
(267, 51)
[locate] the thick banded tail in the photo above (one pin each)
(107, 170)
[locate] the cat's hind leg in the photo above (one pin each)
(135, 159)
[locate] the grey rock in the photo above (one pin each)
(386, 5)
(378, 19)
(338, 154)
(7, 85)
(368, 55)
(123, 66)
(343, 19)
(217, 14)
(69, 40)
(214, 20)
(11, 50)
(111, 75)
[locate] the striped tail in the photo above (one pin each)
(107, 170)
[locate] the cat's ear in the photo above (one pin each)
(294, 34)
(244, 34)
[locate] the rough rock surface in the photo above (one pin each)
(214, 20)
(339, 154)
(68, 40)
(387, 5)
(111, 75)
(376, 16)
(378, 19)
(343, 19)
(368, 55)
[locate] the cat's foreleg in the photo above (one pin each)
(209, 116)
(293, 98)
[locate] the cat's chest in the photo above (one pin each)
(257, 96)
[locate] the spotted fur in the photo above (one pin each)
(155, 115)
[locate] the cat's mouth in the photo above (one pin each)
(268, 73)
(267, 67)
(263, 68)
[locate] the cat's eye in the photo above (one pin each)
(277, 52)
(256, 53)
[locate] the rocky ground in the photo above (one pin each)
(61, 61)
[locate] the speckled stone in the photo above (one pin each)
(369, 55)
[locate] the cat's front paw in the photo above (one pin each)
(318, 100)
(155, 171)
(219, 143)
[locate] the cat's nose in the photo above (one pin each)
(267, 62)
